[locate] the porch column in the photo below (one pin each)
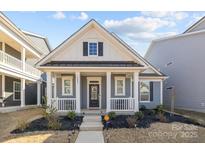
(108, 85)
(3, 87)
(3, 49)
(136, 84)
(38, 93)
(48, 88)
(161, 92)
(77, 81)
(23, 87)
(23, 58)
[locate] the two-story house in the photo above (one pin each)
(95, 69)
(20, 81)
(181, 57)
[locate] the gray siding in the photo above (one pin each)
(31, 93)
(127, 86)
(186, 71)
(59, 88)
(156, 97)
(9, 92)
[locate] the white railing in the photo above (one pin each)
(122, 104)
(14, 63)
(64, 104)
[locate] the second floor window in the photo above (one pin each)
(93, 49)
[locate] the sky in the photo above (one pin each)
(137, 29)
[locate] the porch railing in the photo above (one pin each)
(122, 104)
(14, 63)
(64, 104)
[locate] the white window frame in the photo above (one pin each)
(123, 90)
(14, 90)
(89, 48)
(147, 101)
(71, 85)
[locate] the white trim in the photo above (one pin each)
(38, 93)
(3, 85)
(23, 90)
(123, 90)
(194, 25)
(161, 92)
(91, 68)
(108, 90)
(71, 85)
(14, 85)
(78, 91)
(99, 82)
(136, 90)
(147, 101)
(48, 88)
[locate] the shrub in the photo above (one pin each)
(49, 111)
(131, 121)
(159, 109)
(44, 102)
(50, 114)
(151, 112)
(22, 125)
(162, 118)
(71, 115)
(139, 115)
(143, 107)
(53, 123)
(112, 115)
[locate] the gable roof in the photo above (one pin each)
(195, 25)
(40, 41)
(112, 36)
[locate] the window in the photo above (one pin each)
(16, 91)
(119, 86)
(145, 91)
(67, 85)
(93, 49)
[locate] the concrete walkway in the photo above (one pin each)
(90, 137)
(91, 130)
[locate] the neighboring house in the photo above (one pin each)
(20, 81)
(94, 69)
(181, 57)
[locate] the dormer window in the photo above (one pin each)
(92, 48)
(93, 51)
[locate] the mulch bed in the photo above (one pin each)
(42, 124)
(120, 121)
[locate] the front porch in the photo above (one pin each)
(95, 91)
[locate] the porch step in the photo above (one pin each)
(91, 123)
(93, 112)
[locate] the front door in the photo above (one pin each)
(94, 96)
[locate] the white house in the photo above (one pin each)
(94, 69)
(20, 81)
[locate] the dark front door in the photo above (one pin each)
(94, 96)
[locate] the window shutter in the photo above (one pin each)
(85, 48)
(100, 48)
(151, 91)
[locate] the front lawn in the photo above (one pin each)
(152, 126)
